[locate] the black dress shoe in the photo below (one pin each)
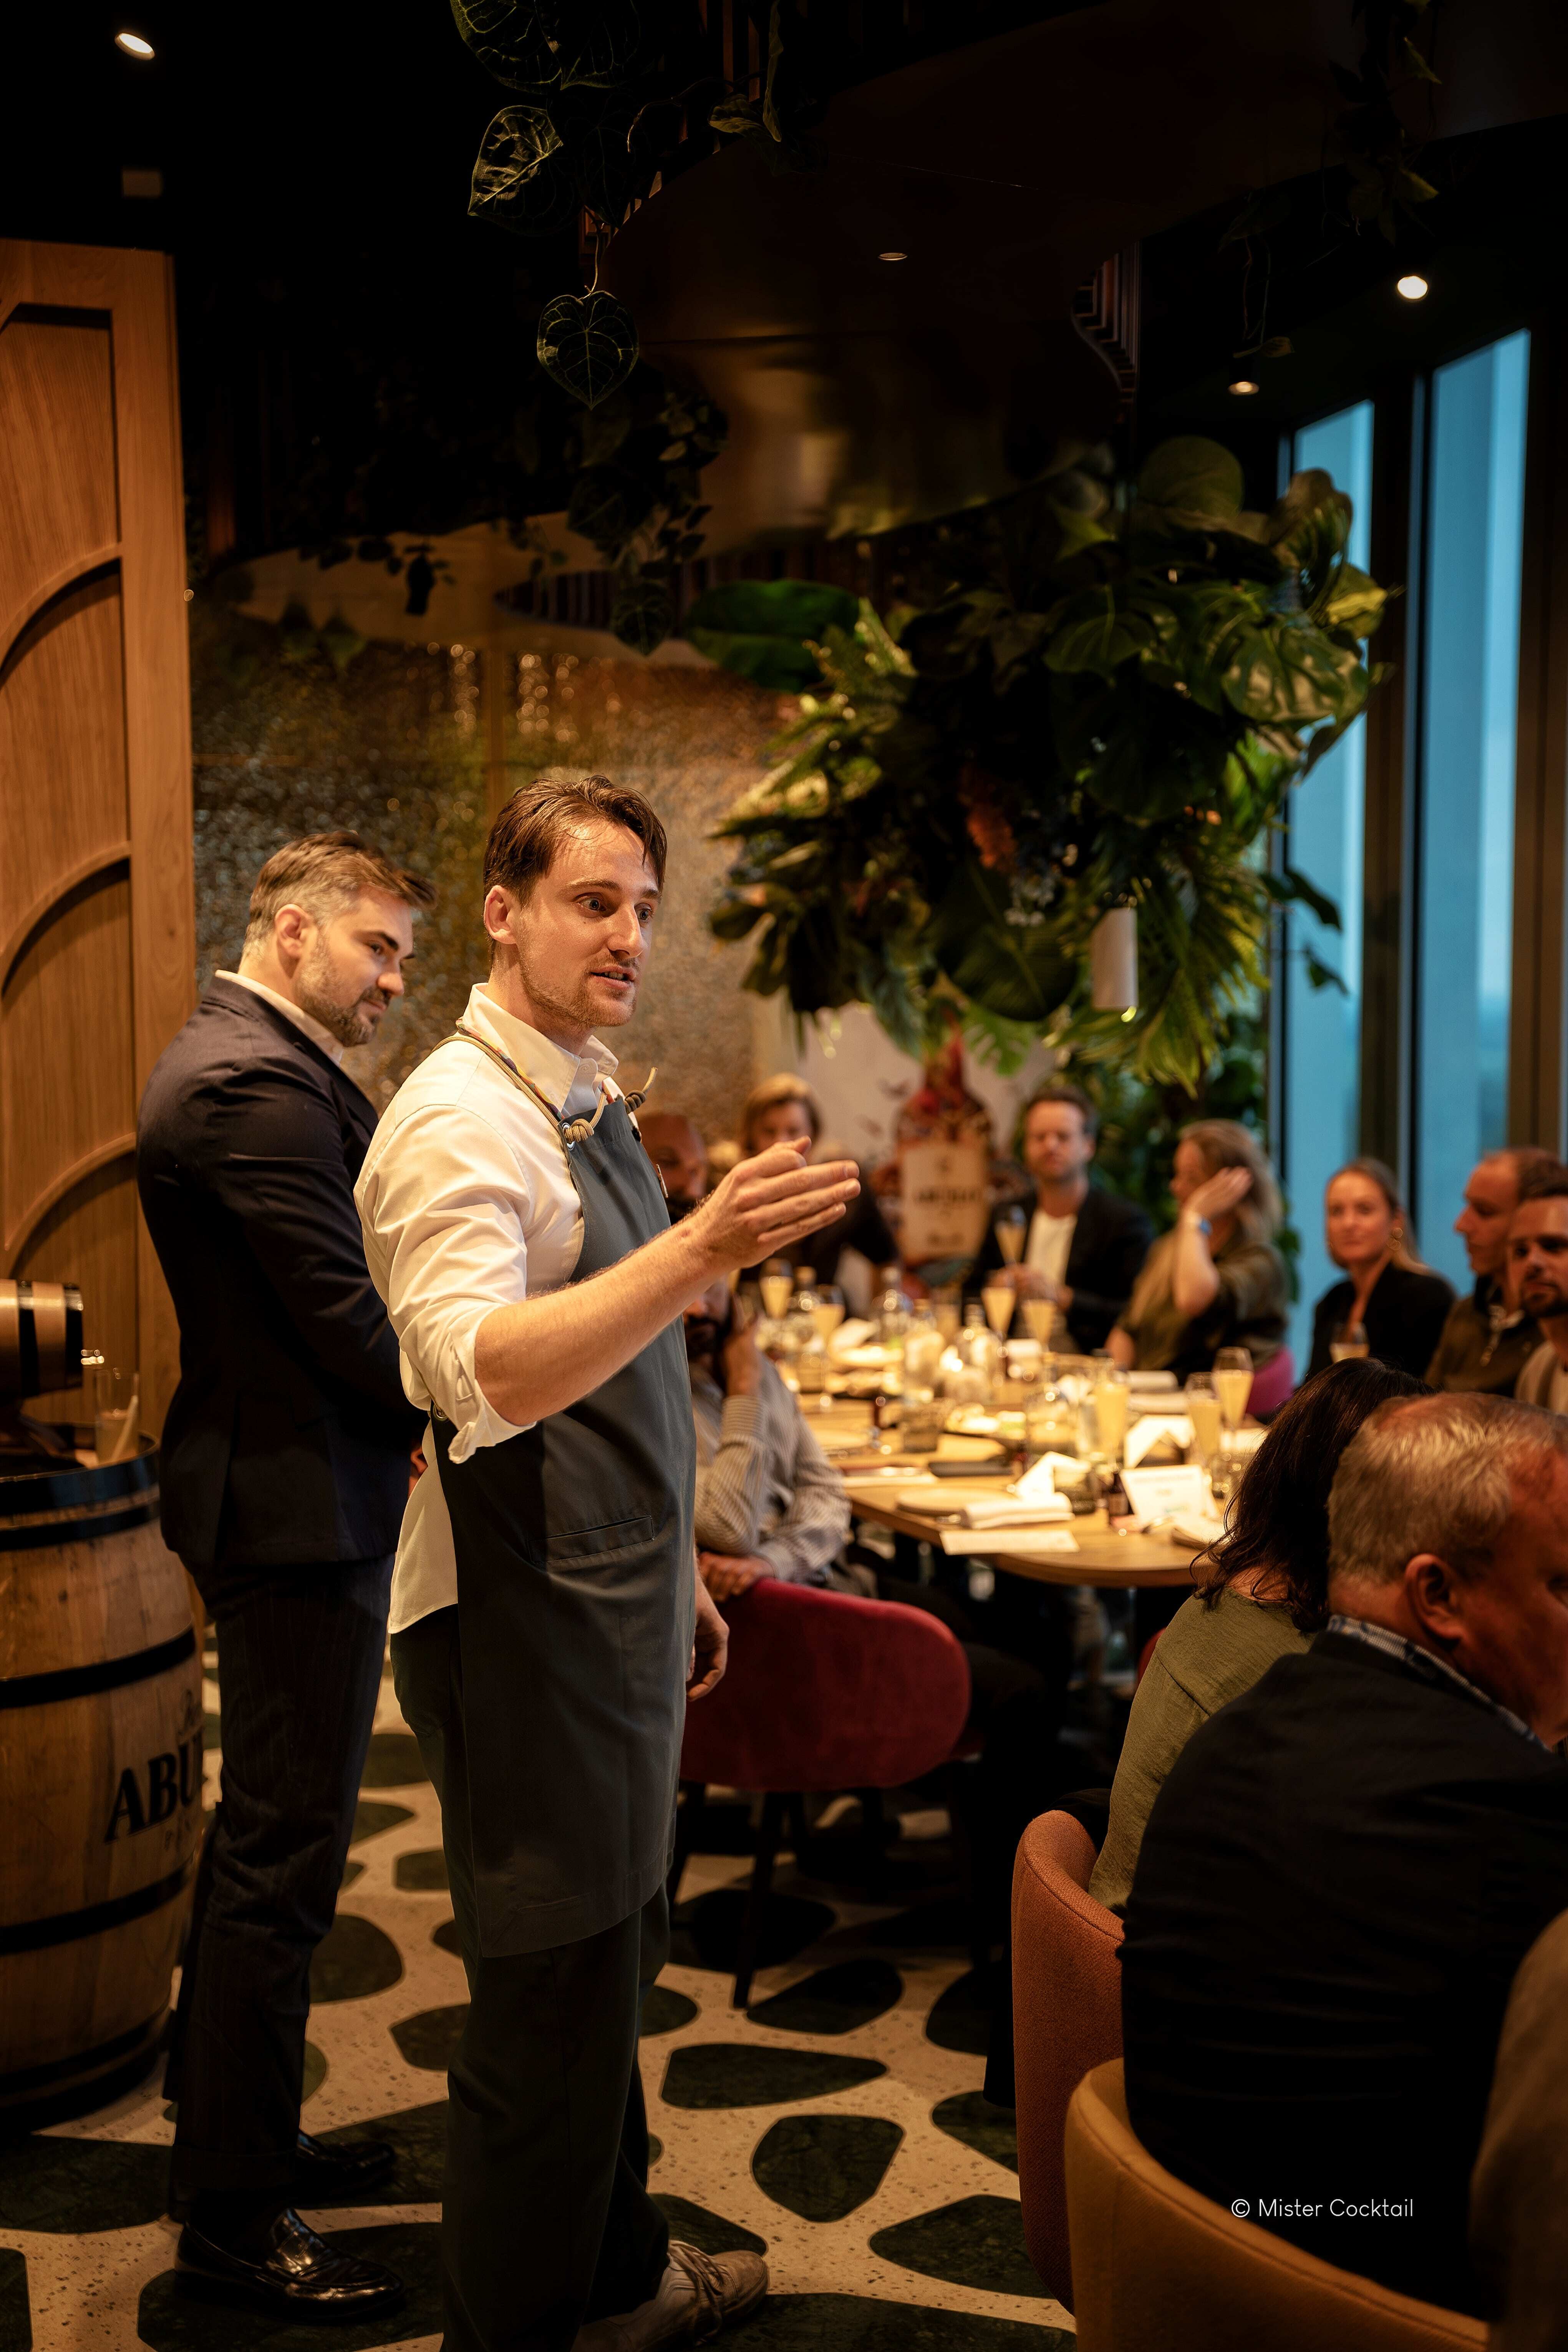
(289, 2269)
(329, 2173)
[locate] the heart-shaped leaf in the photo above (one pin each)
(509, 41)
(600, 49)
(643, 615)
(521, 177)
(587, 343)
(1193, 476)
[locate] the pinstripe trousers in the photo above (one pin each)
(299, 1659)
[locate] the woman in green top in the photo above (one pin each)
(1217, 1280)
(1265, 1595)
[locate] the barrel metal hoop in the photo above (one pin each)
(25, 2081)
(79, 1489)
(99, 1674)
(23, 1537)
(70, 1926)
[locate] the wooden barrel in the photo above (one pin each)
(101, 1771)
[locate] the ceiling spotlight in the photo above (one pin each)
(892, 257)
(1243, 385)
(133, 45)
(1413, 288)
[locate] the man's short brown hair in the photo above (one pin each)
(1543, 1179)
(324, 873)
(1062, 1090)
(529, 830)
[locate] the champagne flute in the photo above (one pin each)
(1233, 1384)
(1040, 1315)
(1203, 1411)
(777, 1289)
(1011, 1226)
(1348, 1341)
(1112, 1395)
(999, 1299)
(827, 1312)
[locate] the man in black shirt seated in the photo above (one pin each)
(1085, 1246)
(1347, 1865)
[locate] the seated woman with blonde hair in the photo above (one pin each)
(1400, 1305)
(1217, 1280)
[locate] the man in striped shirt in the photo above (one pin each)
(769, 1502)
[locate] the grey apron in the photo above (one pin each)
(574, 1544)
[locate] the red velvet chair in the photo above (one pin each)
(824, 1693)
(1066, 2018)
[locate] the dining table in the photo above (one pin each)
(899, 1492)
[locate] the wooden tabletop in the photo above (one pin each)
(1103, 1556)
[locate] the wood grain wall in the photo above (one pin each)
(97, 919)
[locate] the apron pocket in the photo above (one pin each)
(578, 1546)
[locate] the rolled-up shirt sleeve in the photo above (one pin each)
(443, 1204)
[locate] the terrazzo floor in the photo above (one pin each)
(838, 2123)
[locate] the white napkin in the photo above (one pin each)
(1015, 1510)
(1024, 1543)
(1150, 1428)
(854, 1333)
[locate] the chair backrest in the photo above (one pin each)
(1274, 1384)
(824, 1691)
(1158, 2268)
(1067, 2017)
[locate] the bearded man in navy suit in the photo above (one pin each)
(285, 1473)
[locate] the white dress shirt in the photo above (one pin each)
(467, 1205)
(1050, 1244)
(313, 1029)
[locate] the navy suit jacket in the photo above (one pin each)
(287, 1442)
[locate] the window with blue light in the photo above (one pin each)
(1320, 1095)
(1468, 708)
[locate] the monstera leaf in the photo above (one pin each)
(521, 177)
(1018, 971)
(763, 629)
(587, 343)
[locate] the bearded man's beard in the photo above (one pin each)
(351, 1025)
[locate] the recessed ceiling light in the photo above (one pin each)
(892, 257)
(1242, 385)
(1413, 289)
(133, 45)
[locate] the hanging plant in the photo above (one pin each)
(1106, 708)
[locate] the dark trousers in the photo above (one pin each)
(300, 1657)
(546, 2221)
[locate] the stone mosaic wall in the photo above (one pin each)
(394, 746)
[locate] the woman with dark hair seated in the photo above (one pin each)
(1265, 1595)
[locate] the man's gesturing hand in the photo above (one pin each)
(765, 1205)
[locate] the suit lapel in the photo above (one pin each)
(354, 1106)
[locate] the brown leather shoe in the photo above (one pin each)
(699, 2294)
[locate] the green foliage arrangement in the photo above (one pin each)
(1105, 708)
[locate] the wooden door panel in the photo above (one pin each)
(62, 725)
(65, 1040)
(97, 920)
(59, 494)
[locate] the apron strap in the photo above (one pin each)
(568, 1131)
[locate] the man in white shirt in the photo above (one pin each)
(547, 1618)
